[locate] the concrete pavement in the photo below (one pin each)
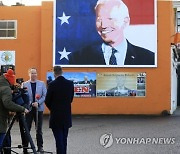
(150, 135)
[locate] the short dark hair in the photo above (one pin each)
(57, 70)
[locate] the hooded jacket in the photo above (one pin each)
(6, 103)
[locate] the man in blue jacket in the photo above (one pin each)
(59, 97)
(37, 93)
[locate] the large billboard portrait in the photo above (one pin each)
(125, 84)
(84, 82)
(105, 33)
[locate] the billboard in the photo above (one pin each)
(84, 82)
(126, 84)
(85, 35)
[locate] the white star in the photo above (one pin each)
(64, 18)
(64, 54)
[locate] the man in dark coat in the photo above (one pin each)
(6, 103)
(59, 96)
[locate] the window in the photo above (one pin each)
(8, 29)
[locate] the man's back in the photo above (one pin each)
(58, 99)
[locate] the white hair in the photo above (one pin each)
(122, 6)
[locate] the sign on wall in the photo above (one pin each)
(7, 57)
(108, 84)
(84, 35)
(127, 84)
(84, 82)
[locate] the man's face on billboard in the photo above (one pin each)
(120, 80)
(109, 23)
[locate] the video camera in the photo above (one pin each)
(20, 95)
(4, 68)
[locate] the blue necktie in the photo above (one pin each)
(112, 60)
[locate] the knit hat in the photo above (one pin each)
(10, 76)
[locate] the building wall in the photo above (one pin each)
(34, 47)
(27, 45)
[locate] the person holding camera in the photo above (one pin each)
(37, 92)
(6, 103)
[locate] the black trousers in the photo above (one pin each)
(7, 143)
(30, 117)
(60, 135)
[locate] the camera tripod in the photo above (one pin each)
(36, 127)
(24, 132)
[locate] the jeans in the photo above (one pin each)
(7, 143)
(61, 135)
(2, 135)
(29, 119)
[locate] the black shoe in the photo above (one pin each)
(40, 149)
(25, 152)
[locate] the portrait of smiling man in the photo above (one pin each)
(112, 18)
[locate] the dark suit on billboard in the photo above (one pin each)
(84, 82)
(116, 89)
(59, 96)
(93, 55)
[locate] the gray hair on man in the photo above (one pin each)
(121, 6)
